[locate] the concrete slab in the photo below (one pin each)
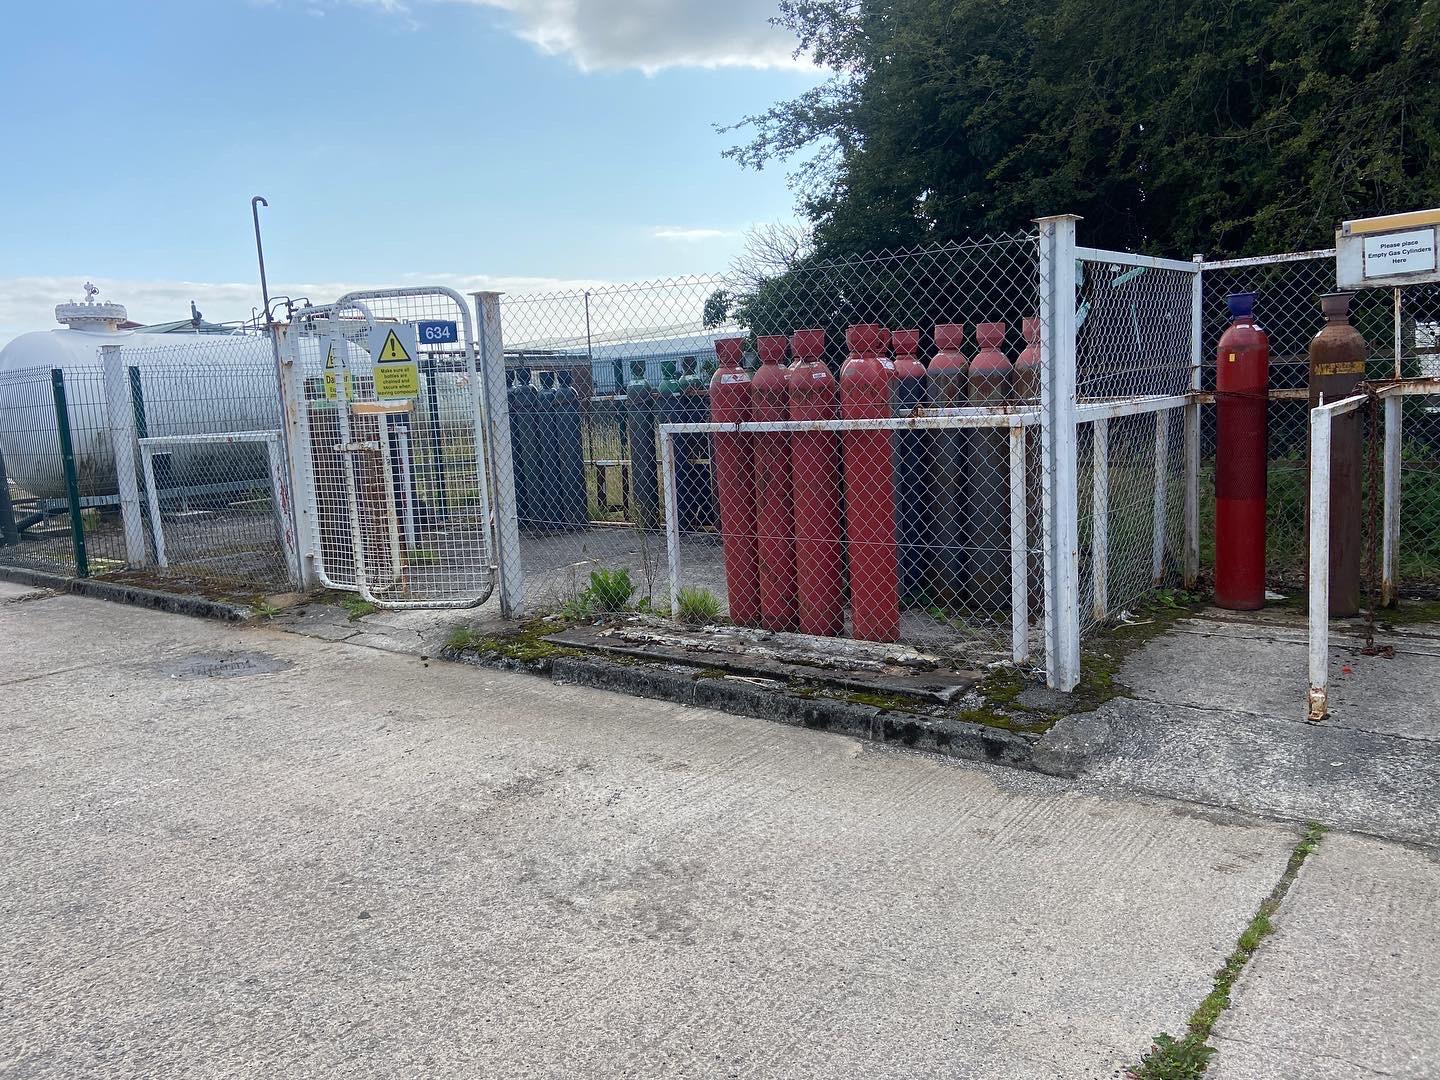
(363, 866)
(1344, 777)
(1260, 668)
(1349, 985)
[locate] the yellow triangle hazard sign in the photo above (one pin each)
(330, 358)
(392, 351)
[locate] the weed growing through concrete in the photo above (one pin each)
(1186, 1058)
(357, 607)
(697, 607)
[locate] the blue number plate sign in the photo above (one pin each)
(437, 332)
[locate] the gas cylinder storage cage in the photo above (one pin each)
(990, 449)
(978, 447)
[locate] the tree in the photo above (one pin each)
(1171, 126)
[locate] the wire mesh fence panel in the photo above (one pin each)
(399, 482)
(58, 496)
(205, 421)
(1417, 566)
(899, 533)
(213, 500)
(1288, 289)
(1287, 307)
(1133, 330)
(1134, 364)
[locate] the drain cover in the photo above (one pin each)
(224, 665)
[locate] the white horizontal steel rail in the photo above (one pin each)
(951, 418)
(1321, 419)
(153, 444)
(1126, 258)
(1087, 411)
(1267, 260)
(213, 437)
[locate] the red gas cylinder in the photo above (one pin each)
(774, 520)
(815, 472)
(949, 464)
(1242, 388)
(1027, 364)
(865, 386)
(734, 471)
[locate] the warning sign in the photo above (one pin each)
(397, 381)
(394, 349)
(332, 372)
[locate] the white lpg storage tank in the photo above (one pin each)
(191, 383)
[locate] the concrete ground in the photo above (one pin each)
(246, 852)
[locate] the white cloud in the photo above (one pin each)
(689, 235)
(653, 34)
(613, 35)
(28, 303)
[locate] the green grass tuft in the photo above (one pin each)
(697, 607)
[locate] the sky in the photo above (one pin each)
(525, 145)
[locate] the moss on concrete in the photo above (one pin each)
(525, 644)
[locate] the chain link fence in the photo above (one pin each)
(1288, 308)
(1134, 360)
(883, 486)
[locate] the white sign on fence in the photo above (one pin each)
(1410, 252)
(1397, 249)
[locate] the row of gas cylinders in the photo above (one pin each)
(546, 452)
(922, 515)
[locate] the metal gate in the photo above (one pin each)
(386, 425)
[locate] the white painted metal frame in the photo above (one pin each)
(1321, 422)
(483, 477)
(160, 444)
(1100, 520)
(1058, 450)
(1016, 420)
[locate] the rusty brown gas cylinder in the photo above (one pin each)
(1337, 364)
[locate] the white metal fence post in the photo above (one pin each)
(1100, 519)
(1390, 518)
(672, 517)
(1191, 559)
(1019, 550)
(296, 445)
(1162, 493)
(1320, 423)
(1058, 450)
(502, 468)
(120, 413)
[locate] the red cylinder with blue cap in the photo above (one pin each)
(1242, 389)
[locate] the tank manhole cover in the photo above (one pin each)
(224, 665)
